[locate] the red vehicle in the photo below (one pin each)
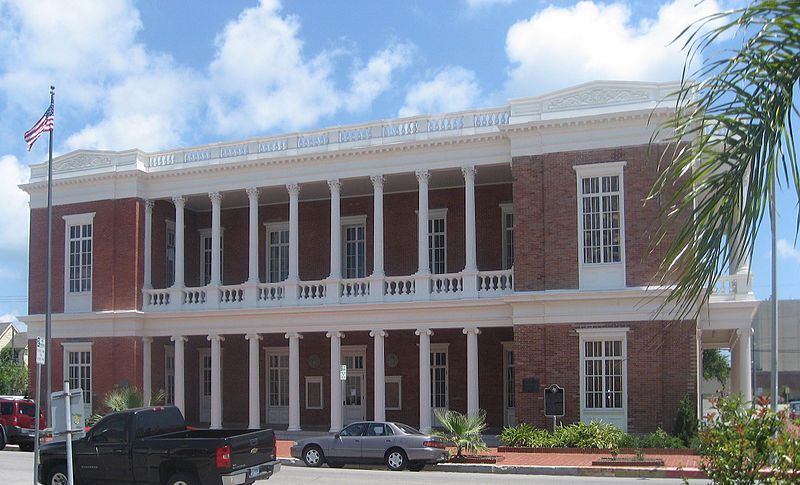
(18, 422)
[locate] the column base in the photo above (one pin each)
(376, 288)
(332, 291)
(422, 287)
(290, 289)
(470, 281)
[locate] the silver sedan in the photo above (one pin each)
(397, 445)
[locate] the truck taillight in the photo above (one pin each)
(224, 456)
(433, 444)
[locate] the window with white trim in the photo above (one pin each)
(314, 392)
(394, 393)
(277, 251)
(169, 374)
(603, 370)
(439, 391)
(80, 257)
(507, 213)
(78, 368)
(354, 235)
(169, 259)
(600, 206)
(205, 255)
(437, 241)
(278, 368)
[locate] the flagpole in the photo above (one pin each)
(49, 293)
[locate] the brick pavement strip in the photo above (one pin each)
(562, 464)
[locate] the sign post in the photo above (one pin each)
(40, 353)
(554, 403)
(67, 407)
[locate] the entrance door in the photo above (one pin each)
(439, 392)
(204, 383)
(354, 402)
(277, 386)
(508, 386)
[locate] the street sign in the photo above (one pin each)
(58, 414)
(554, 401)
(40, 350)
(343, 373)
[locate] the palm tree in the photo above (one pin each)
(462, 430)
(738, 118)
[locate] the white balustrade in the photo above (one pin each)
(355, 134)
(492, 283)
(270, 146)
(354, 289)
(733, 286)
(161, 159)
(271, 292)
(398, 287)
(197, 155)
(443, 285)
(234, 150)
(445, 124)
(156, 299)
(493, 118)
(311, 291)
(231, 295)
(312, 140)
(194, 297)
(402, 128)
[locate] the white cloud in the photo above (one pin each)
(14, 214)
(451, 89)
(374, 78)
(787, 250)
(559, 47)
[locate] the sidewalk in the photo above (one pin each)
(565, 464)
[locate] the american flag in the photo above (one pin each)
(45, 123)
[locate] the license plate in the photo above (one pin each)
(255, 471)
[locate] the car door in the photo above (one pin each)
(378, 438)
(110, 441)
(346, 447)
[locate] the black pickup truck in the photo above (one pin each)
(153, 446)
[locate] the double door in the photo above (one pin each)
(354, 401)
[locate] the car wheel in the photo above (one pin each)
(416, 467)
(396, 459)
(26, 446)
(182, 479)
(313, 457)
(57, 475)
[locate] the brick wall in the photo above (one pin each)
(546, 225)
(661, 370)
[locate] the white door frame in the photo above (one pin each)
(274, 414)
(441, 348)
(509, 413)
(355, 351)
(206, 352)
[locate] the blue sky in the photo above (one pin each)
(155, 74)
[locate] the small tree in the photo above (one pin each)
(686, 421)
(125, 397)
(715, 366)
(13, 376)
(462, 430)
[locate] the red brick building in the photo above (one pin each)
(457, 261)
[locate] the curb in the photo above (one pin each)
(612, 472)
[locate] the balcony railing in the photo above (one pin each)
(453, 286)
(734, 287)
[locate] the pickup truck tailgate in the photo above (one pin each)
(252, 448)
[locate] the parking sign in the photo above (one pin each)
(40, 350)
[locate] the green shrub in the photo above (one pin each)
(588, 435)
(585, 435)
(462, 430)
(686, 421)
(660, 439)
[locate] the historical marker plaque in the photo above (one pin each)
(554, 401)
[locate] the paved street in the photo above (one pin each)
(17, 468)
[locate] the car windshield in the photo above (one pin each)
(27, 409)
(407, 429)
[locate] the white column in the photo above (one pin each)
(294, 380)
(179, 202)
(473, 396)
(148, 244)
(216, 380)
(424, 379)
(469, 215)
(216, 202)
(147, 383)
(741, 353)
(377, 236)
(336, 230)
(253, 383)
(423, 265)
(336, 383)
(294, 274)
(380, 375)
(252, 254)
(180, 363)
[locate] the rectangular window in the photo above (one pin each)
(78, 369)
(601, 215)
(508, 235)
(355, 260)
(278, 379)
(394, 393)
(439, 379)
(603, 379)
(437, 241)
(169, 375)
(205, 255)
(170, 254)
(314, 392)
(80, 258)
(277, 252)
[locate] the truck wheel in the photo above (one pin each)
(2, 439)
(396, 459)
(26, 446)
(57, 475)
(312, 456)
(182, 479)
